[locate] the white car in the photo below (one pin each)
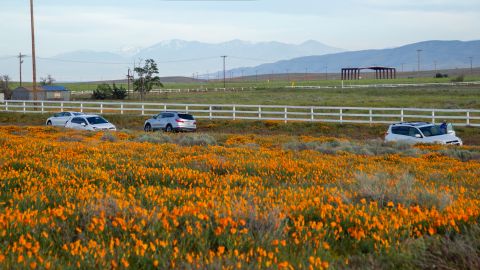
(89, 122)
(421, 132)
(61, 118)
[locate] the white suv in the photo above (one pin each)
(171, 121)
(421, 132)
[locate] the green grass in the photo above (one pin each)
(441, 97)
(274, 81)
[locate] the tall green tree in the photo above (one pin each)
(147, 78)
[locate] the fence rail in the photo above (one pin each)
(352, 85)
(460, 117)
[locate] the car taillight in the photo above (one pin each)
(194, 122)
(179, 121)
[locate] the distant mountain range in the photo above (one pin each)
(174, 57)
(433, 55)
(192, 58)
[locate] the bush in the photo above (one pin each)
(440, 75)
(103, 91)
(108, 137)
(461, 154)
(154, 138)
(70, 139)
(196, 139)
(372, 147)
(460, 78)
(384, 188)
(119, 92)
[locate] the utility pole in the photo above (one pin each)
(305, 77)
(435, 64)
(471, 65)
(20, 60)
(418, 59)
(34, 64)
(224, 72)
(129, 77)
(326, 73)
(402, 66)
(256, 75)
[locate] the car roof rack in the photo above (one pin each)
(413, 123)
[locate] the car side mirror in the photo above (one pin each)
(155, 116)
(418, 136)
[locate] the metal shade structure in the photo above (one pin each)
(380, 72)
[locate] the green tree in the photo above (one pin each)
(103, 91)
(4, 86)
(118, 92)
(147, 78)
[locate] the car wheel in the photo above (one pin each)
(49, 123)
(148, 128)
(169, 128)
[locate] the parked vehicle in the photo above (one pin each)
(90, 122)
(171, 121)
(421, 132)
(61, 118)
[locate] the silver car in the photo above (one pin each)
(61, 118)
(171, 121)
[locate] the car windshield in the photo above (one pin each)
(78, 113)
(96, 120)
(430, 131)
(185, 116)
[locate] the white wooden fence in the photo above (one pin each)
(459, 117)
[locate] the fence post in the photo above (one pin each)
(401, 115)
(143, 109)
(210, 112)
(286, 115)
(371, 116)
(121, 108)
(433, 116)
(6, 105)
(234, 112)
(42, 107)
(24, 109)
(341, 116)
(186, 109)
(81, 107)
(164, 107)
(312, 117)
(468, 118)
(101, 108)
(259, 112)
(61, 106)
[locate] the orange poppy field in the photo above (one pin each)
(73, 199)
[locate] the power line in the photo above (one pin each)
(252, 59)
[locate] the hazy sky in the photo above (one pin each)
(110, 25)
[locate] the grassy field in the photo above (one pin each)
(122, 200)
(445, 97)
(275, 81)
